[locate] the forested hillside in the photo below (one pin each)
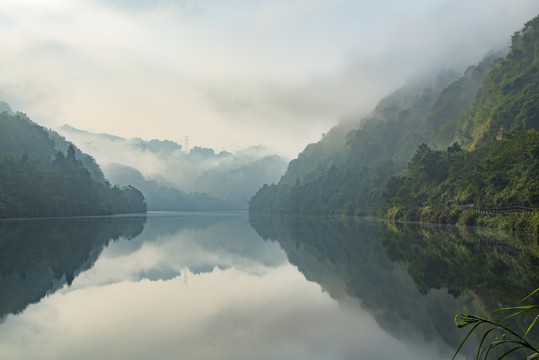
(43, 175)
(449, 186)
(346, 173)
(509, 98)
(501, 170)
(497, 96)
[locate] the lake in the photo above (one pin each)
(224, 286)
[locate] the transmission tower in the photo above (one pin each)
(186, 143)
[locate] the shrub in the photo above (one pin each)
(468, 217)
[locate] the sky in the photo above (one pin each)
(233, 73)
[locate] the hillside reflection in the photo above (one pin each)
(37, 257)
(498, 267)
(411, 278)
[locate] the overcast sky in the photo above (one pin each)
(232, 73)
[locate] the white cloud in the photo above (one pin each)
(230, 74)
(272, 11)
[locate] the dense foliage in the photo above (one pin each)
(38, 180)
(443, 186)
(508, 100)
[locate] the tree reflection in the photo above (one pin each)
(499, 267)
(37, 257)
(409, 277)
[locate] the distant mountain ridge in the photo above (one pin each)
(4, 106)
(154, 145)
(173, 179)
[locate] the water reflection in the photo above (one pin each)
(497, 266)
(484, 269)
(174, 242)
(37, 257)
(208, 286)
(413, 279)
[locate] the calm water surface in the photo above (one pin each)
(223, 286)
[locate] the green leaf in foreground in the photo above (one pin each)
(498, 335)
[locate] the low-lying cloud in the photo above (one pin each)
(236, 73)
(226, 176)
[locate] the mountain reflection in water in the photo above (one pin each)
(223, 286)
